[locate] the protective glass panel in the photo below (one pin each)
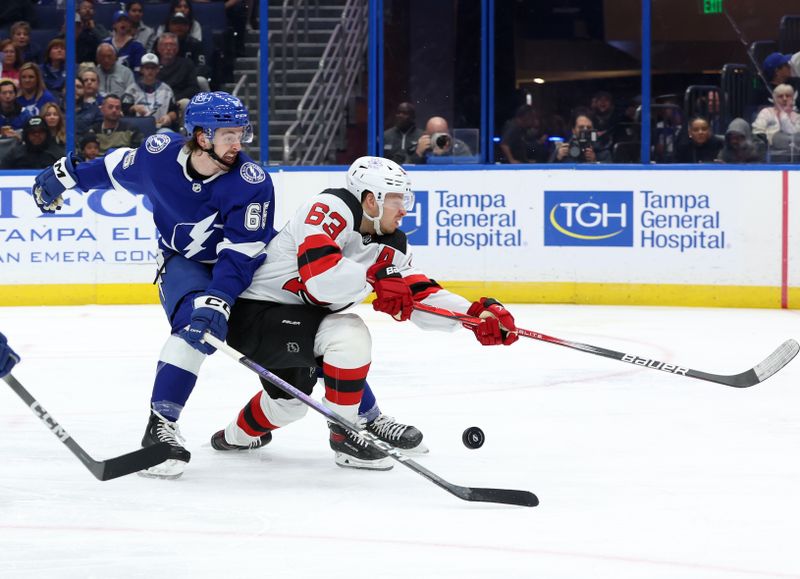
(432, 88)
(568, 81)
(715, 66)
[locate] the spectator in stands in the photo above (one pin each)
(114, 78)
(583, 145)
(32, 93)
(87, 108)
(437, 141)
(777, 70)
(12, 60)
(605, 116)
(16, 10)
(149, 97)
(188, 46)
(143, 33)
(129, 50)
(54, 119)
(739, 145)
(88, 33)
(112, 132)
(12, 115)
(36, 151)
(54, 69)
(667, 124)
(185, 8)
(400, 140)
(178, 72)
(522, 141)
(89, 147)
(780, 123)
(699, 144)
(20, 33)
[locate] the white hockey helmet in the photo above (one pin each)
(379, 176)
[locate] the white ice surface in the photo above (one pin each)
(640, 474)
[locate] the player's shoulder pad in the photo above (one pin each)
(158, 143)
(351, 202)
(396, 240)
(251, 172)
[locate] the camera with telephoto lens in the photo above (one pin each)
(584, 140)
(440, 140)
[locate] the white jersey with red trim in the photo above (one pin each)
(320, 258)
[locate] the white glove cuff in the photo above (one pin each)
(63, 174)
(214, 303)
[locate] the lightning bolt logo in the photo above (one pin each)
(201, 231)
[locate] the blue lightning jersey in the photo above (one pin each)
(225, 220)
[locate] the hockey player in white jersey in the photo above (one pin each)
(214, 210)
(339, 247)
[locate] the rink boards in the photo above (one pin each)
(603, 236)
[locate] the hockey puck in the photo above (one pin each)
(473, 437)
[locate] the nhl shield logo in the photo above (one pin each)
(157, 143)
(252, 173)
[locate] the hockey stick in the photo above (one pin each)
(101, 469)
(743, 40)
(505, 496)
(760, 372)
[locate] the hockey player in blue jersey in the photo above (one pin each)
(214, 210)
(8, 357)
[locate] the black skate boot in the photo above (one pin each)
(159, 429)
(353, 451)
(218, 442)
(403, 436)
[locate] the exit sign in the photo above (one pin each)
(712, 6)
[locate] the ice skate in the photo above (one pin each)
(352, 451)
(159, 429)
(219, 442)
(403, 436)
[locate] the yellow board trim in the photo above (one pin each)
(507, 292)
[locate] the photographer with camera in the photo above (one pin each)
(584, 146)
(437, 141)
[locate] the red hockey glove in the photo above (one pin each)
(497, 323)
(393, 294)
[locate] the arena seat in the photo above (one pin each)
(155, 14)
(789, 34)
(42, 37)
(211, 15)
(736, 82)
(48, 16)
(103, 13)
(146, 125)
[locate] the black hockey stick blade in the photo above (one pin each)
(135, 461)
(760, 372)
(504, 496)
(101, 469)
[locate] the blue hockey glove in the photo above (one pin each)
(53, 181)
(8, 357)
(211, 312)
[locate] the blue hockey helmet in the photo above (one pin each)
(215, 110)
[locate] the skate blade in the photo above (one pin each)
(417, 450)
(168, 470)
(347, 461)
